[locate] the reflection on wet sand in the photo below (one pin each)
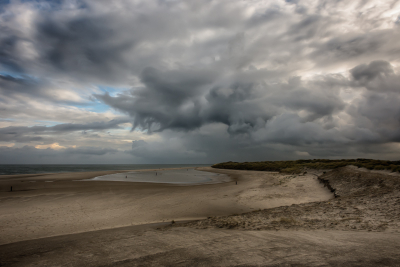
(165, 176)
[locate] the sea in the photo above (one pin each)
(9, 169)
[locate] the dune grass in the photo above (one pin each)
(298, 166)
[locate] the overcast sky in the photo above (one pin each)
(200, 81)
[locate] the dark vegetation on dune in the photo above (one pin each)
(298, 166)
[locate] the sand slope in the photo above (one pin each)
(365, 200)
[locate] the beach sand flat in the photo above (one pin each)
(66, 206)
(76, 223)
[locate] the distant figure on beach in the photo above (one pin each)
(11, 189)
(236, 182)
(156, 174)
(126, 177)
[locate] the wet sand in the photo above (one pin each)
(169, 176)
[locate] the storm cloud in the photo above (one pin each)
(27, 134)
(288, 111)
(201, 81)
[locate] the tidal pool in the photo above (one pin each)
(165, 176)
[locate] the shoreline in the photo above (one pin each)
(28, 175)
(6, 181)
(33, 169)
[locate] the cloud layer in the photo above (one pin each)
(201, 81)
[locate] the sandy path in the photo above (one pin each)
(64, 206)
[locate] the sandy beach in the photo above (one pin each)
(102, 223)
(65, 206)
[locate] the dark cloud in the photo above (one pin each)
(7, 57)
(32, 155)
(202, 147)
(28, 134)
(137, 144)
(371, 71)
(295, 112)
(376, 76)
(14, 87)
(82, 44)
(90, 151)
(187, 102)
(357, 48)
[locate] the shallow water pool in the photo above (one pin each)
(179, 176)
